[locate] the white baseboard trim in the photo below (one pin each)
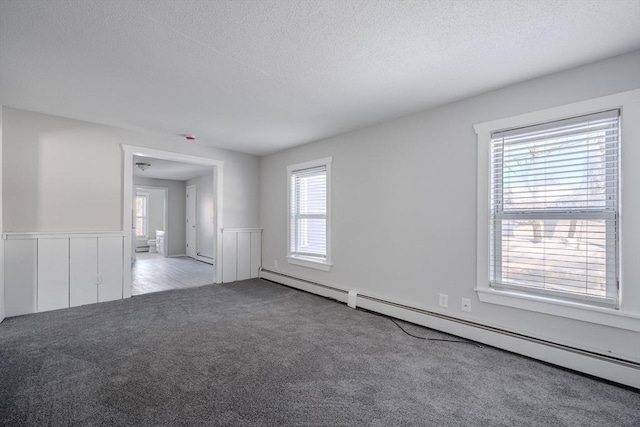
(203, 258)
(601, 366)
(176, 256)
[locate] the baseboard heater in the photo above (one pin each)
(204, 258)
(326, 290)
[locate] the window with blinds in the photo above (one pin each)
(308, 213)
(554, 208)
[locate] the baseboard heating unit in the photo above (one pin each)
(599, 365)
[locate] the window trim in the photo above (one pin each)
(146, 216)
(303, 261)
(628, 315)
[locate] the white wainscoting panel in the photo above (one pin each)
(241, 253)
(243, 256)
(52, 270)
(229, 244)
(256, 254)
(110, 268)
(20, 277)
(53, 274)
(83, 271)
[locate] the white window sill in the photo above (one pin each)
(310, 262)
(568, 309)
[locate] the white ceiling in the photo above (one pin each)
(260, 76)
(166, 169)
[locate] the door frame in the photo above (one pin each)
(195, 214)
(217, 167)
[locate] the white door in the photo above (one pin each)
(191, 221)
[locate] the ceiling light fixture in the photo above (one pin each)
(143, 166)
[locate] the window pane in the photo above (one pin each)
(140, 227)
(141, 206)
(311, 236)
(309, 212)
(567, 255)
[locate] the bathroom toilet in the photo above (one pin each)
(152, 246)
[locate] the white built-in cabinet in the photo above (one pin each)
(241, 253)
(52, 271)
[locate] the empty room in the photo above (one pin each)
(320, 213)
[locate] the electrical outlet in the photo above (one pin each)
(275, 263)
(99, 279)
(443, 301)
(466, 304)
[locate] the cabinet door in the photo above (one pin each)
(83, 271)
(53, 274)
(110, 268)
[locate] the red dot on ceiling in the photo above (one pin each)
(190, 138)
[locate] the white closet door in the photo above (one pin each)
(83, 271)
(244, 256)
(110, 268)
(53, 274)
(256, 254)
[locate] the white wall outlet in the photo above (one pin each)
(466, 304)
(275, 263)
(443, 301)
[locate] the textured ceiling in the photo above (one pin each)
(260, 76)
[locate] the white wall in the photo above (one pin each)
(66, 175)
(204, 213)
(404, 206)
(155, 213)
(175, 234)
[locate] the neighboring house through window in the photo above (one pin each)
(309, 214)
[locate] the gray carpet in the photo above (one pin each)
(257, 353)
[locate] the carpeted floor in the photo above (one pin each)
(256, 353)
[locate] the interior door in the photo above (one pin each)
(191, 221)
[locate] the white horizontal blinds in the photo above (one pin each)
(554, 207)
(309, 212)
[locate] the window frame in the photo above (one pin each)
(607, 213)
(144, 217)
(628, 314)
(310, 261)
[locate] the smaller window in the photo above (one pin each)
(309, 214)
(142, 202)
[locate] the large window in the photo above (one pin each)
(554, 208)
(142, 202)
(309, 214)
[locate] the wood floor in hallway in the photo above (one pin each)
(154, 273)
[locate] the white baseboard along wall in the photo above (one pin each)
(608, 368)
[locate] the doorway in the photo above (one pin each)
(211, 247)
